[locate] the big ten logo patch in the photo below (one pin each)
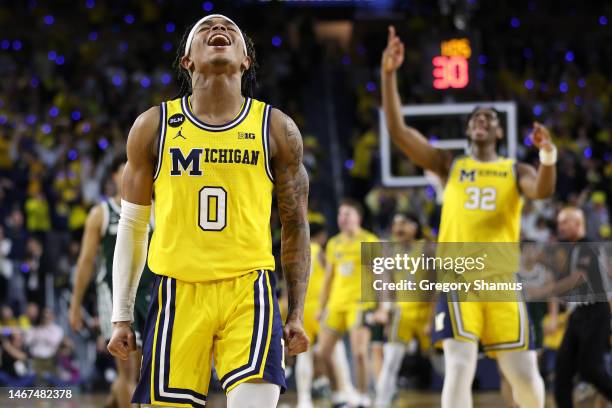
(243, 135)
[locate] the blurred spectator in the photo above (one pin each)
(31, 269)
(14, 361)
(8, 318)
(541, 232)
(5, 153)
(597, 217)
(31, 316)
(37, 211)
(19, 239)
(67, 371)
(43, 341)
(10, 321)
(18, 235)
(361, 170)
(6, 267)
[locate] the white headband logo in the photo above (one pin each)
(202, 20)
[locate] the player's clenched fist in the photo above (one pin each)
(393, 55)
(122, 341)
(295, 337)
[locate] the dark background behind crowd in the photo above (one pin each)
(75, 75)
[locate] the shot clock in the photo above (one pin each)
(451, 68)
(453, 63)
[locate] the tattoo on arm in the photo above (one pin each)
(292, 196)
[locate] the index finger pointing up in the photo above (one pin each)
(391, 33)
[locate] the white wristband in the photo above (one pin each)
(548, 158)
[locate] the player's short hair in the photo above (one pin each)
(350, 202)
(410, 216)
(497, 113)
(117, 162)
(249, 77)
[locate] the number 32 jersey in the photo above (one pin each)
(481, 202)
(213, 194)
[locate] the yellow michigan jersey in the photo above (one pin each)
(482, 202)
(214, 193)
(482, 207)
(343, 255)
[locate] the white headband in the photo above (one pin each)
(203, 19)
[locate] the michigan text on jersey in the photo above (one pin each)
(180, 162)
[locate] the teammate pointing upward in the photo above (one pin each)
(483, 208)
(212, 249)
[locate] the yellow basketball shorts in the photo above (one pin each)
(498, 326)
(235, 322)
(409, 322)
(342, 320)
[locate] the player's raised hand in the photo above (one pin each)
(295, 337)
(123, 340)
(540, 136)
(393, 55)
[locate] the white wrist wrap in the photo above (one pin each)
(130, 258)
(548, 158)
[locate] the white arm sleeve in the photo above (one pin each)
(130, 258)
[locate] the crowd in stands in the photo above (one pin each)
(34, 350)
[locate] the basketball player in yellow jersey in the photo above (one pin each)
(341, 301)
(213, 158)
(409, 319)
(482, 203)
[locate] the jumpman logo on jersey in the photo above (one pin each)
(179, 134)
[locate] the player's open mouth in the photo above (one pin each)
(219, 40)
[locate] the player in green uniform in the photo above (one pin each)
(100, 234)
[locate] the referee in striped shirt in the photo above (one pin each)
(587, 337)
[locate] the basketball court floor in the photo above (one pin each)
(406, 399)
